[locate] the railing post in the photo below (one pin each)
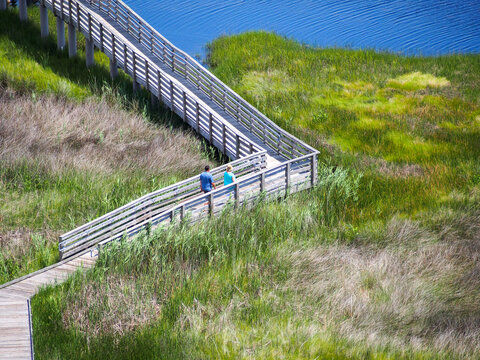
(237, 146)
(89, 52)
(60, 33)
(43, 20)
(159, 76)
(237, 195)
(210, 127)
(197, 116)
(172, 106)
(101, 36)
(211, 205)
(262, 182)
(182, 212)
(184, 106)
(287, 178)
(136, 85)
(22, 10)
(147, 77)
(251, 148)
(173, 60)
(314, 170)
(125, 59)
(72, 40)
(79, 27)
(113, 68)
(224, 139)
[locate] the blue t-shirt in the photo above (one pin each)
(228, 178)
(206, 179)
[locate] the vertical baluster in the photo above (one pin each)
(159, 77)
(224, 137)
(147, 79)
(210, 127)
(238, 146)
(184, 106)
(197, 116)
(237, 195)
(314, 170)
(211, 205)
(125, 58)
(78, 18)
(287, 178)
(171, 96)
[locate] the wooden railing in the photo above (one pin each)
(289, 177)
(146, 209)
(181, 63)
(213, 109)
(146, 72)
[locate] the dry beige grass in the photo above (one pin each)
(418, 292)
(94, 136)
(118, 304)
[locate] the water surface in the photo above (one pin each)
(428, 27)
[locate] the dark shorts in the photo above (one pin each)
(206, 191)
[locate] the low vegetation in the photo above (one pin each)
(72, 149)
(380, 260)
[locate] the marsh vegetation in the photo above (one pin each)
(380, 260)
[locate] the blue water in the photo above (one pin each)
(420, 27)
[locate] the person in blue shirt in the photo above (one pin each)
(228, 176)
(206, 180)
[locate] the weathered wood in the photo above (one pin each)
(72, 40)
(22, 10)
(3, 5)
(89, 52)
(43, 21)
(60, 33)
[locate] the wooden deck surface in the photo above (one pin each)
(15, 325)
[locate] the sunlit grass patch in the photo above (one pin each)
(403, 147)
(367, 123)
(260, 84)
(417, 80)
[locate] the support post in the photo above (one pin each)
(72, 40)
(262, 182)
(159, 76)
(237, 195)
(184, 106)
(210, 127)
(3, 5)
(314, 170)
(136, 85)
(113, 69)
(224, 139)
(89, 50)
(211, 206)
(22, 10)
(43, 21)
(197, 117)
(237, 147)
(172, 105)
(287, 178)
(182, 210)
(60, 34)
(154, 100)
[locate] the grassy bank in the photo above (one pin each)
(379, 261)
(74, 144)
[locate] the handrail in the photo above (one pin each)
(171, 81)
(205, 203)
(149, 204)
(170, 55)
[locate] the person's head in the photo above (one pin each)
(229, 168)
(207, 167)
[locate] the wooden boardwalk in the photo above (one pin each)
(16, 341)
(269, 161)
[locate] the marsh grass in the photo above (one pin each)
(74, 144)
(379, 261)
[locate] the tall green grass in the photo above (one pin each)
(38, 202)
(378, 261)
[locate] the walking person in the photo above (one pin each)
(206, 180)
(228, 176)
